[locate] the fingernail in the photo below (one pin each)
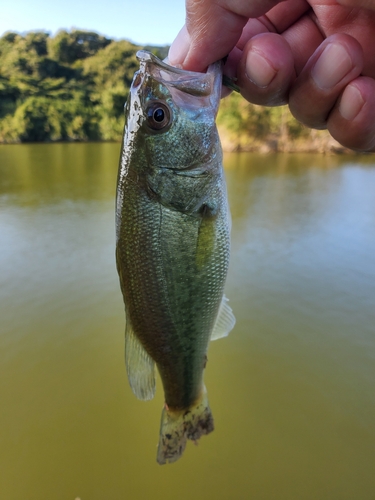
(331, 67)
(179, 48)
(258, 69)
(351, 102)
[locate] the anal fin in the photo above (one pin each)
(140, 366)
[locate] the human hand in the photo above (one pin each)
(366, 4)
(317, 56)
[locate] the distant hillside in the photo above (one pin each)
(73, 86)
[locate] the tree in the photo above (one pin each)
(68, 47)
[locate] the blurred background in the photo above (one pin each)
(291, 388)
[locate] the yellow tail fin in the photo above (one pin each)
(179, 426)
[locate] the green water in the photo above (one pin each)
(292, 389)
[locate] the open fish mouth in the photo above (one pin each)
(201, 89)
(191, 82)
(206, 86)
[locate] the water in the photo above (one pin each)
(292, 387)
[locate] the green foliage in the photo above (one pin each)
(112, 70)
(68, 47)
(160, 52)
(241, 117)
(248, 124)
(69, 87)
(73, 86)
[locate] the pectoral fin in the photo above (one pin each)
(140, 366)
(225, 320)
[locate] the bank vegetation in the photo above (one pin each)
(72, 87)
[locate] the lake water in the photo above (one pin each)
(292, 389)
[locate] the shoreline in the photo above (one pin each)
(317, 141)
(321, 143)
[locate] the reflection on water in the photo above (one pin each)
(291, 389)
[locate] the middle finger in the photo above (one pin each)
(337, 61)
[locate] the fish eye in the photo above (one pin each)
(158, 116)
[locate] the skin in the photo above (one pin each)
(296, 52)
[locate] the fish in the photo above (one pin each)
(173, 242)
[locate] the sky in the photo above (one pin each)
(143, 22)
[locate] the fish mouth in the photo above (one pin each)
(149, 57)
(190, 82)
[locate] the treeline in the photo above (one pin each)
(68, 87)
(247, 127)
(73, 86)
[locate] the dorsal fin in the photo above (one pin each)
(140, 366)
(225, 320)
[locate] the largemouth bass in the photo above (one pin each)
(172, 228)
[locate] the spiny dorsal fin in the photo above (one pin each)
(140, 366)
(225, 320)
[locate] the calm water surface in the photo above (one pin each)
(292, 387)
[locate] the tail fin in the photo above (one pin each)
(179, 426)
